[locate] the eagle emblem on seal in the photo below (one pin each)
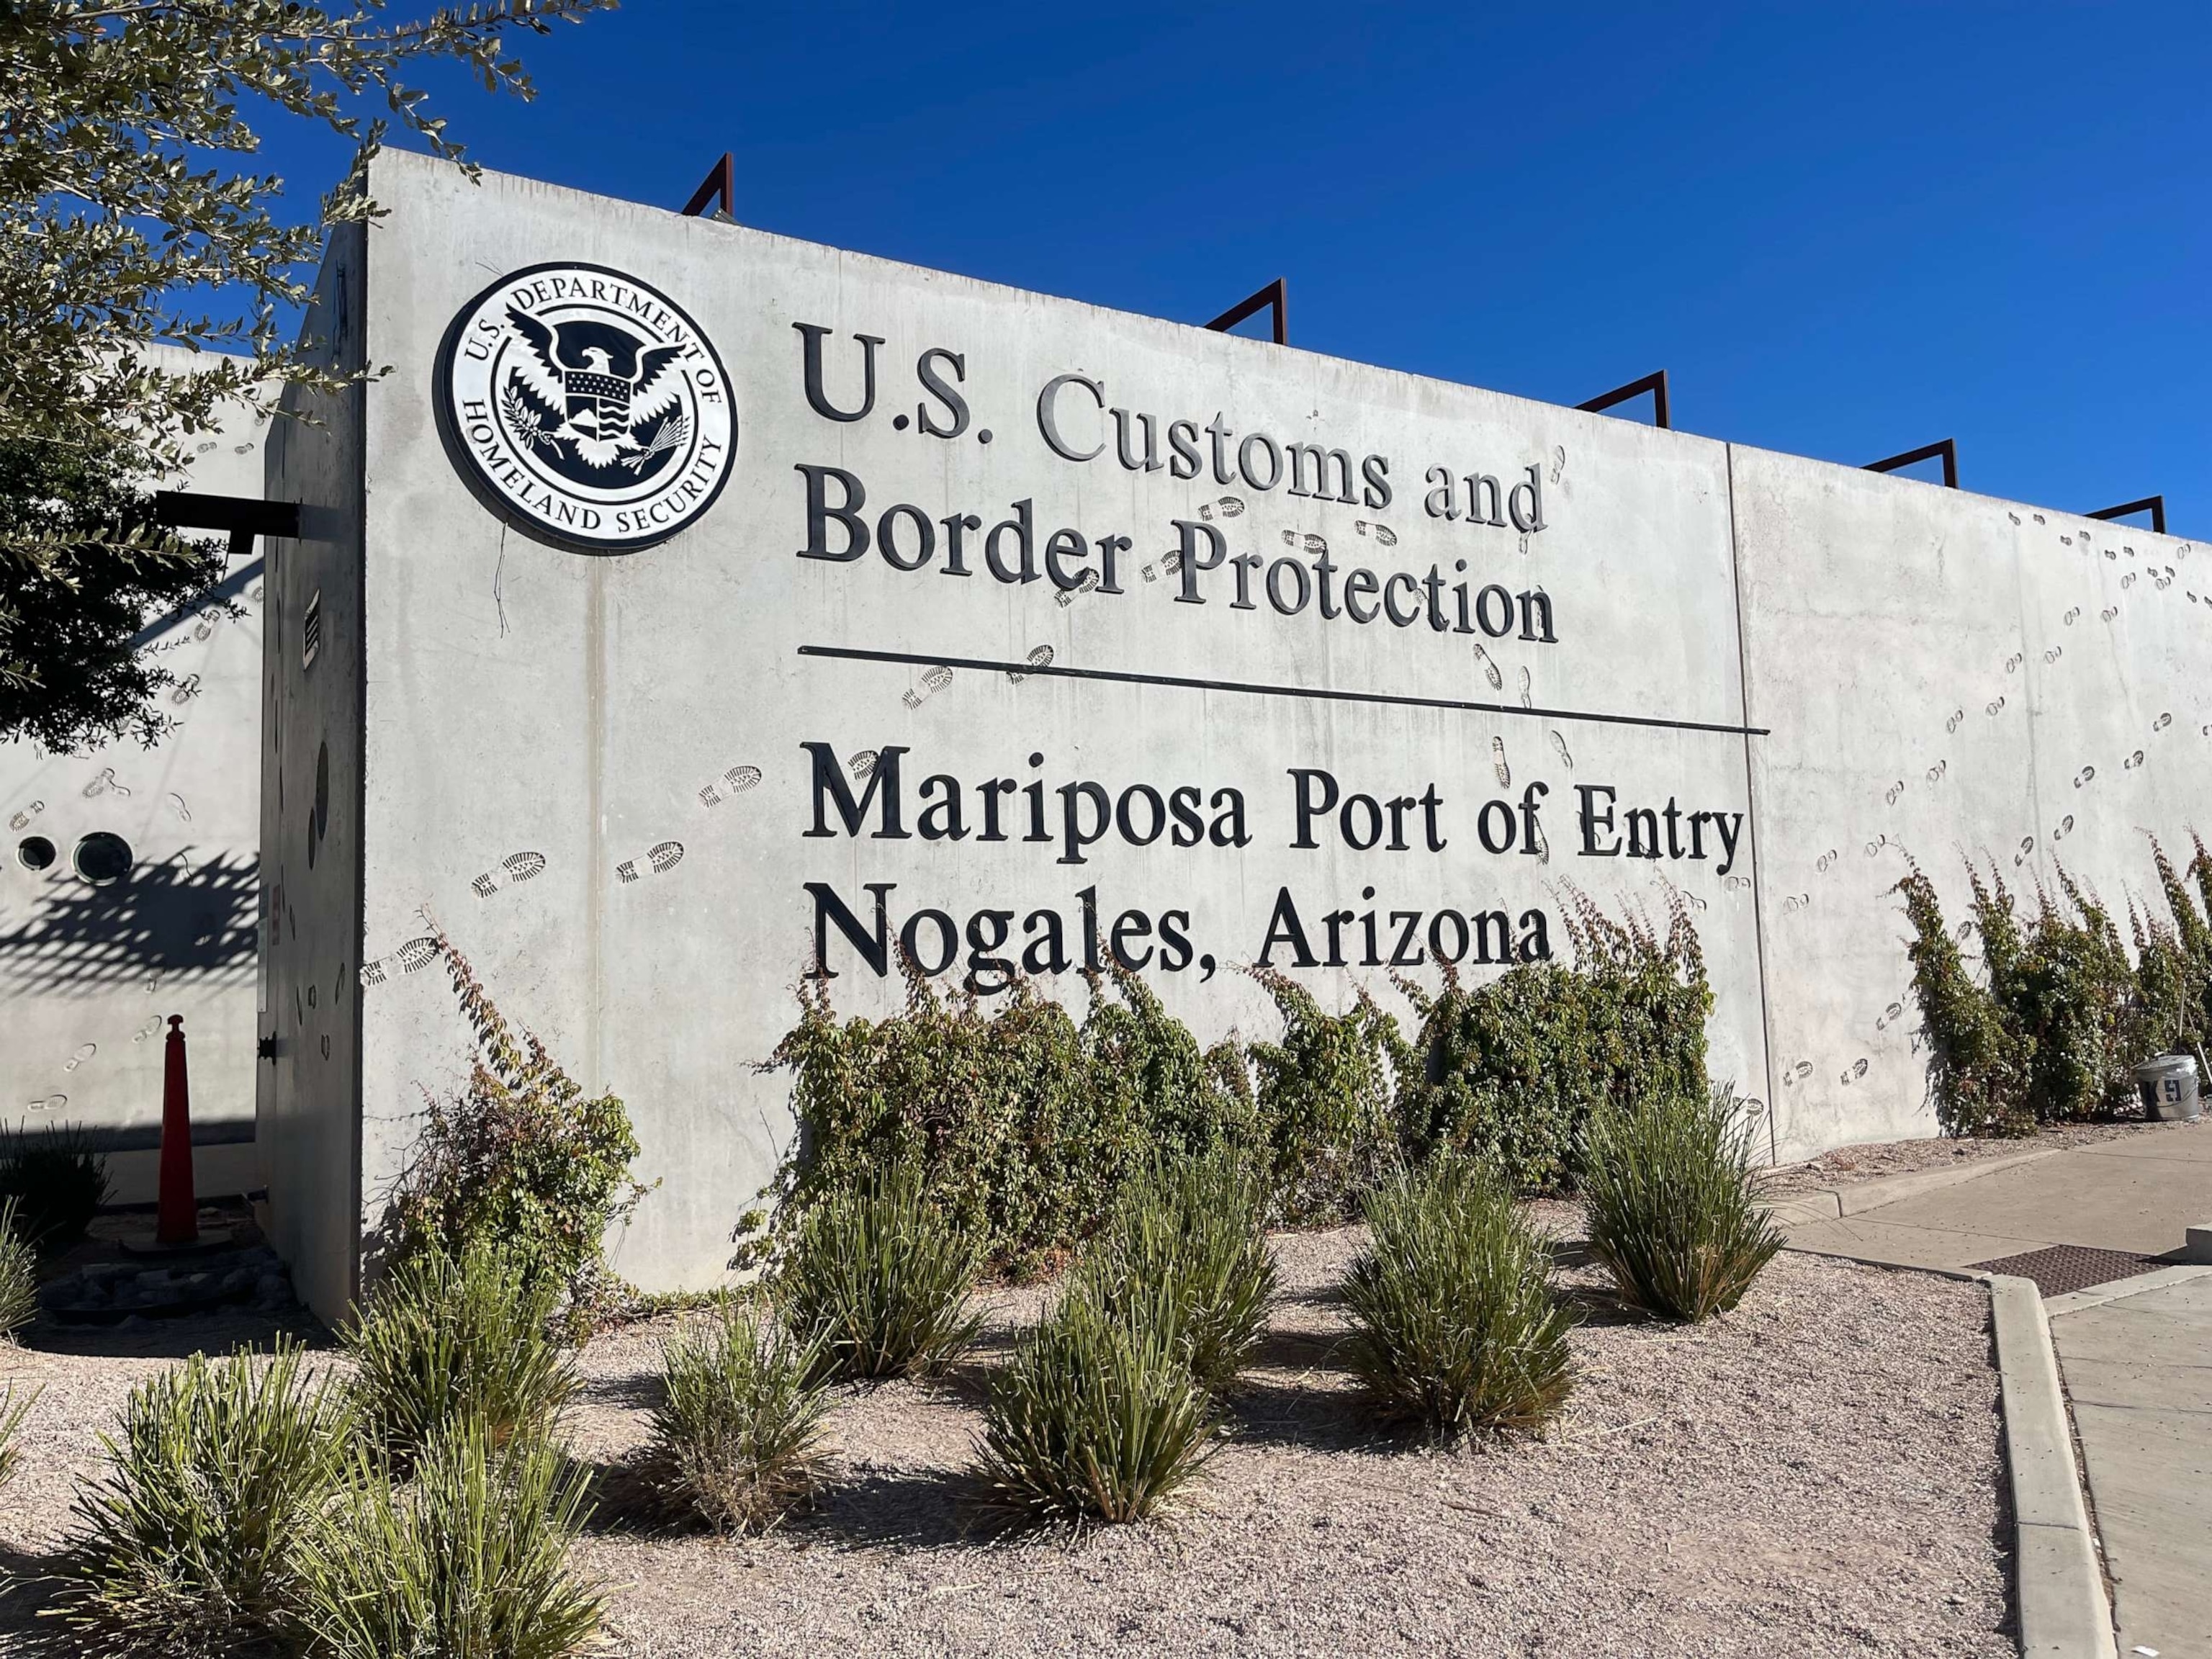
(591, 397)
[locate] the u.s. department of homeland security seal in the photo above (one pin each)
(584, 407)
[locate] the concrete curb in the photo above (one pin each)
(2064, 1613)
(2120, 1289)
(1856, 1197)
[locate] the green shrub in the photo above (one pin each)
(1510, 1072)
(467, 1561)
(444, 1341)
(877, 1279)
(2058, 1017)
(1324, 1101)
(12, 1411)
(1025, 1126)
(1094, 1419)
(19, 1274)
(57, 1183)
(188, 1541)
(1455, 1325)
(1187, 1254)
(737, 1438)
(519, 1158)
(1672, 1211)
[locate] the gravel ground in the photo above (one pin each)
(1815, 1473)
(1849, 1163)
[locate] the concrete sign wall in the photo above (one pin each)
(94, 955)
(727, 609)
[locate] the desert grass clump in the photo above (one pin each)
(12, 1411)
(1457, 1328)
(467, 1560)
(1186, 1253)
(1673, 1212)
(19, 1276)
(1095, 1419)
(737, 1438)
(877, 1280)
(187, 1543)
(57, 1183)
(445, 1339)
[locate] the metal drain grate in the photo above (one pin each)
(2064, 1267)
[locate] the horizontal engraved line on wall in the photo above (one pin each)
(1325, 694)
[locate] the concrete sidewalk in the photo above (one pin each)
(2135, 1354)
(2138, 1196)
(2138, 1370)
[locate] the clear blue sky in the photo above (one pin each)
(1844, 228)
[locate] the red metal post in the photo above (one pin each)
(179, 1220)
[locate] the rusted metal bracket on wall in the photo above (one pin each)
(1946, 448)
(2154, 505)
(721, 180)
(244, 516)
(1654, 384)
(1273, 294)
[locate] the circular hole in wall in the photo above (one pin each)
(34, 853)
(101, 860)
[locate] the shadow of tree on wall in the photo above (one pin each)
(194, 921)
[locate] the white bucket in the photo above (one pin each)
(2168, 1087)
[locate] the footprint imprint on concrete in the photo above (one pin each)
(2066, 541)
(1952, 725)
(2037, 517)
(1735, 884)
(176, 803)
(1559, 743)
(1543, 846)
(20, 820)
(1558, 461)
(150, 1027)
(2013, 663)
(414, 955)
(2065, 828)
(738, 779)
(665, 856)
(2087, 774)
(1888, 1014)
(1996, 708)
(2127, 581)
(862, 763)
(1825, 861)
(1490, 670)
(85, 1051)
(1065, 598)
(1229, 507)
(1497, 764)
(1794, 903)
(2161, 722)
(2054, 653)
(1696, 903)
(1889, 795)
(514, 868)
(100, 785)
(1038, 657)
(1524, 547)
(50, 1104)
(184, 689)
(1382, 533)
(2109, 612)
(2014, 517)
(1936, 772)
(2132, 762)
(2072, 616)
(1526, 701)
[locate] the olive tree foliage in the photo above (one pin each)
(129, 215)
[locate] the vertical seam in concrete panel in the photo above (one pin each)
(1751, 810)
(359, 717)
(595, 702)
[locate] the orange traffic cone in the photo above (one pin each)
(178, 1221)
